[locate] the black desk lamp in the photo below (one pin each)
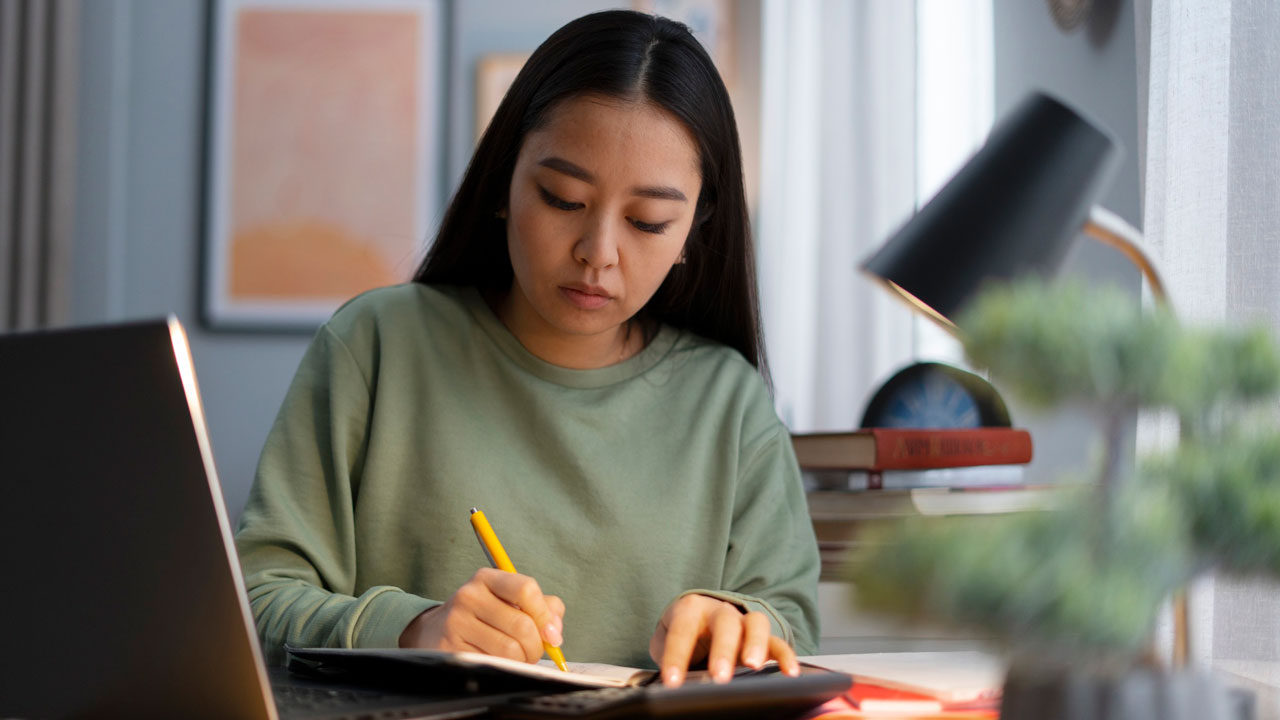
(1015, 208)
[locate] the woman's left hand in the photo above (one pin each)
(698, 626)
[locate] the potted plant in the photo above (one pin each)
(1071, 596)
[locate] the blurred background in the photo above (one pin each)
(139, 136)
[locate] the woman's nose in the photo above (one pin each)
(598, 246)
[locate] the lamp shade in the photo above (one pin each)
(1015, 208)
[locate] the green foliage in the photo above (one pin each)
(1217, 367)
(1230, 488)
(1064, 342)
(1087, 580)
(1060, 579)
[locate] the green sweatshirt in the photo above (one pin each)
(618, 489)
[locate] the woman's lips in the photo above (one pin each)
(583, 299)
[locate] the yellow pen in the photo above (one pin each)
(498, 558)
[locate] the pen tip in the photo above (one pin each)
(474, 511)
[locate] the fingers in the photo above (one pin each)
(557, 607)
(480, 618)
(686, 623)
(755, 640)
(746, 639)
(522, 644)
(697, 626)
(726, 638)
(658, 643)
(491, 614)
(785, 655)
(524, 593)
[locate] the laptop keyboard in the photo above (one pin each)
(313, 702)
(306, 699)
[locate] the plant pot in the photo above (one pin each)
(1138, 694)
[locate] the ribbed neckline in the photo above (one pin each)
(633, 366)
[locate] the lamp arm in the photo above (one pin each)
(1110, 229)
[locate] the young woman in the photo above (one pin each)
(580, 357)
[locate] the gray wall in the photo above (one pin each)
(1093, 69)
(138, 214)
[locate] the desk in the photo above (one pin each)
(1262, 677)
(763, 697)
(841, 517)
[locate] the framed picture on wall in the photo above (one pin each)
(322, 155)
(494, 74)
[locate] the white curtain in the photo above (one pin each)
(867, 108)
(1210, 74)
(38, 44)
(837, 174)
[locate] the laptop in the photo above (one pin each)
(120, 591)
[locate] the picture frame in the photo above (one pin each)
(494, 74)
(322, 155)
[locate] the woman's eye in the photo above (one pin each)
(655, 228)
(556, 202)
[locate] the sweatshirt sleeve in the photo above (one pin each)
(772, 565)
(296, 537)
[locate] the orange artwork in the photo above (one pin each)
(323, 190)
(494, 75)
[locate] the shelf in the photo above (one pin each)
(841, 516)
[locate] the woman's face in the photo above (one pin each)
(601, 201)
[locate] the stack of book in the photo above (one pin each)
(902, 458)
(859, 478)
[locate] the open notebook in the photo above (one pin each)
(484, 671)
(335, 661)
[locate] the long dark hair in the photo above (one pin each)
(629, 55)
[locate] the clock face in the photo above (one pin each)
(1068, 14)
(933, 395)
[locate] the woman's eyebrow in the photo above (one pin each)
(658, 192)
(561, 165)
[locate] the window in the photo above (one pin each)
(866, 109)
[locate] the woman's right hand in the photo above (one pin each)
(495, 613)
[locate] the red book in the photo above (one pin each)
(879, 699)
(864, 701)
(912, 448)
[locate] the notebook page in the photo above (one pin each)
(587, 674)
(952, 677)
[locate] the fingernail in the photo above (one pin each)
(792, 670)
(671, 677)
(754, 659)
(722, 672)
(552, 634)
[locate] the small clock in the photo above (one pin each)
(1069, 14)
(935, 395)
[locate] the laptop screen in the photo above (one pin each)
(120, 585)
